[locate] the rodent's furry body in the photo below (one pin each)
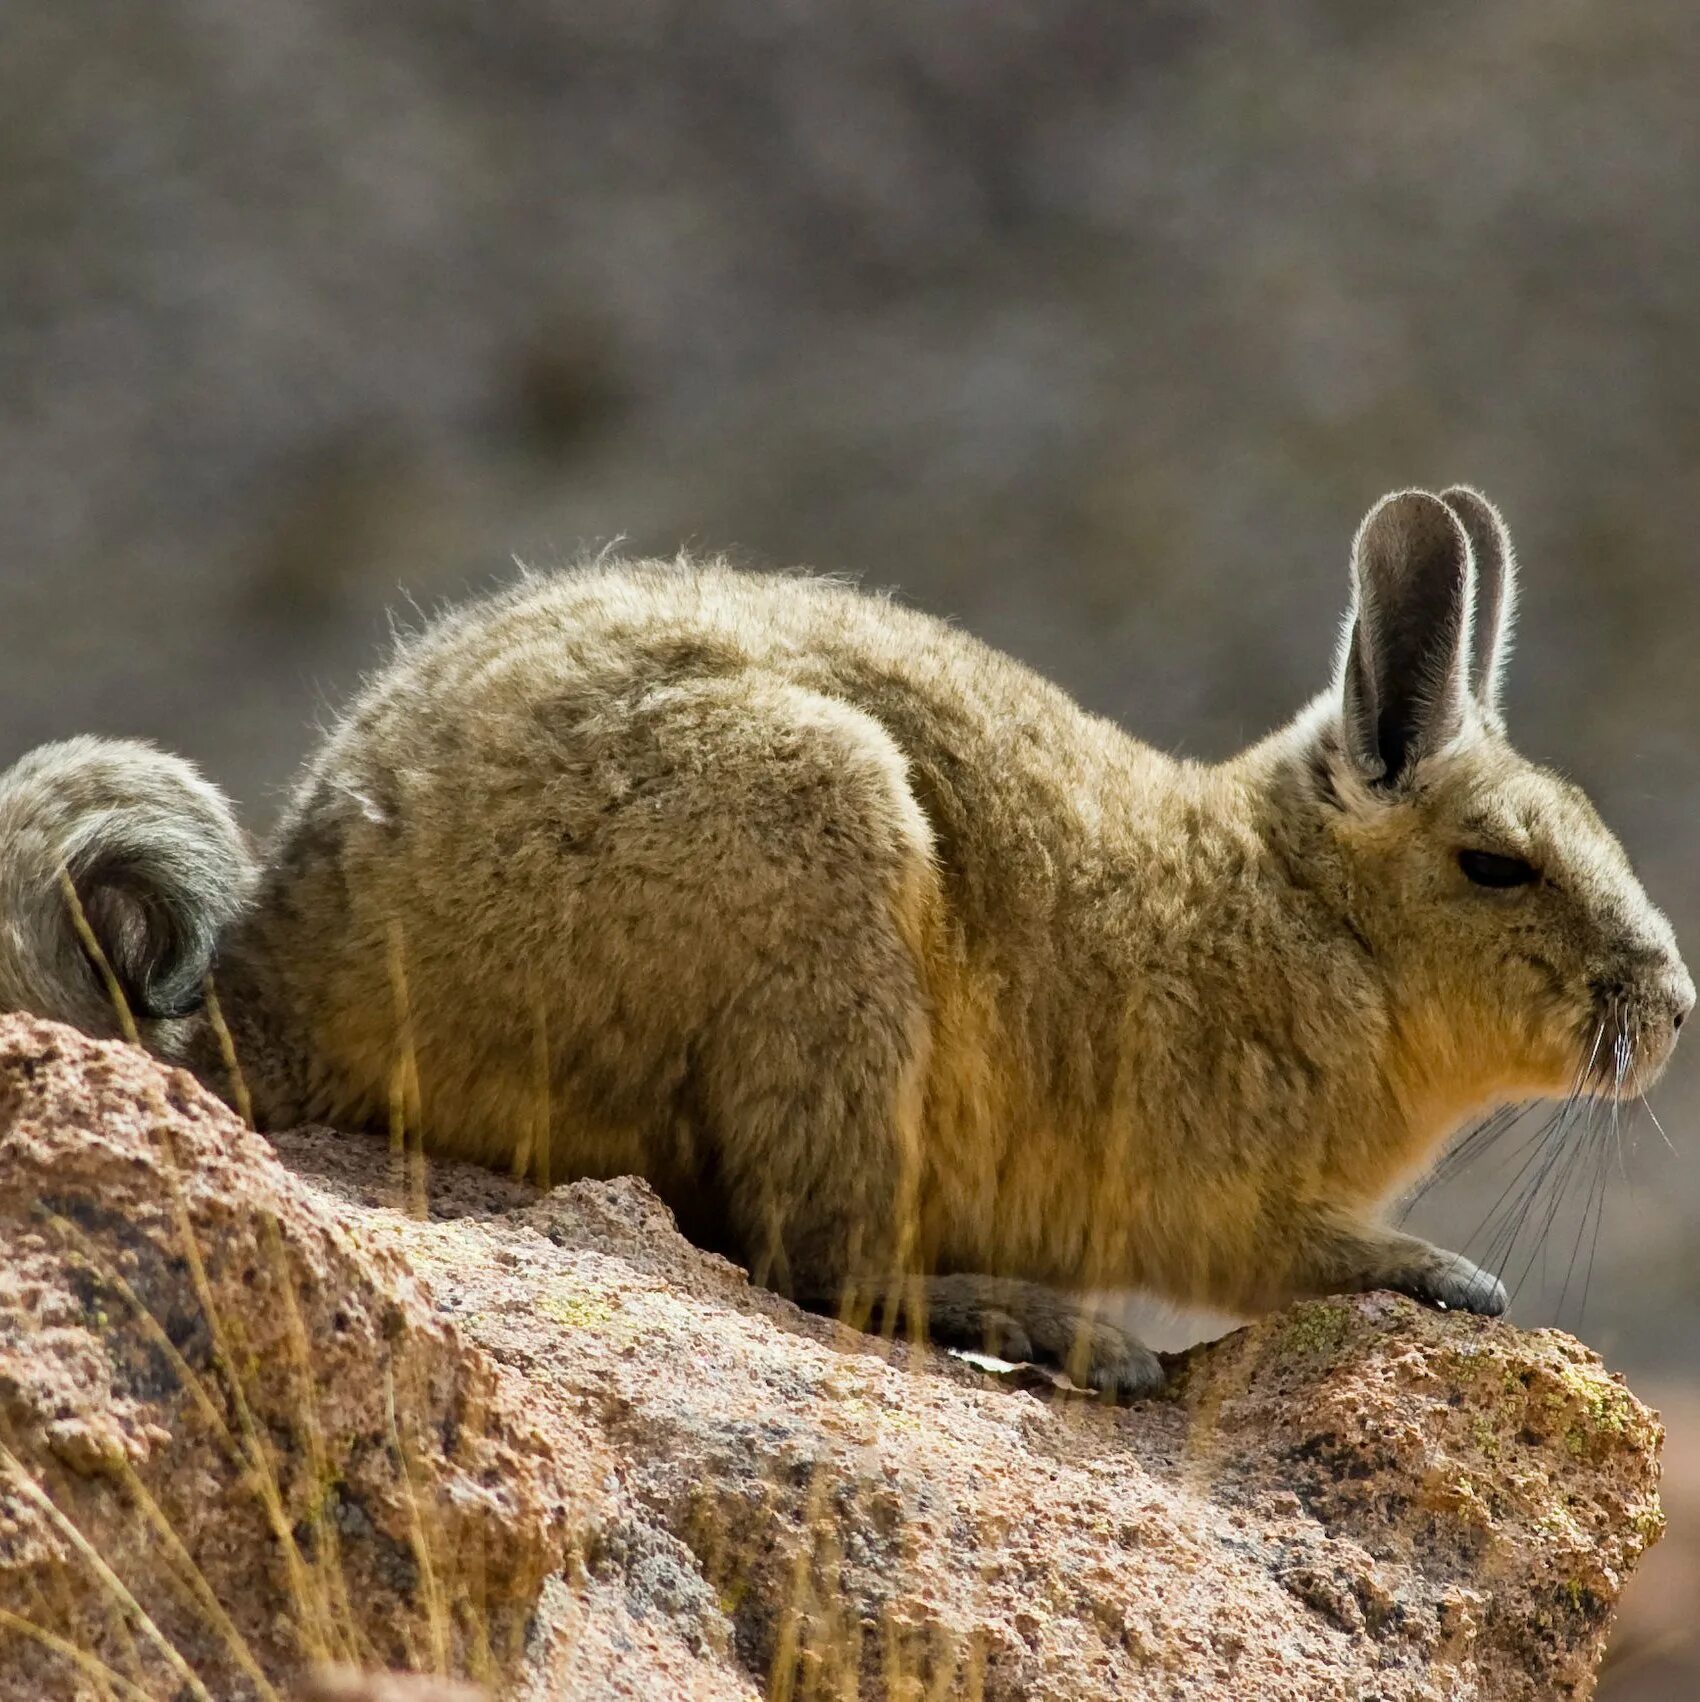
(885, 962)
(771, 853)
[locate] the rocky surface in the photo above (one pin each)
(259, 1415)
(349, 1684)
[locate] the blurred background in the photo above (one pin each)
(1094, 326)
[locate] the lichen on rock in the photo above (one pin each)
(257, 1419)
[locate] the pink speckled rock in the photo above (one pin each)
(258, 1418)
(348, 1684)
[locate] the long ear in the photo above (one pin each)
(1496, 590)
(1403, 671)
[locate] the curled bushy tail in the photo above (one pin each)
(158, 868)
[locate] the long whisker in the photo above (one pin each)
(1561, 1160)
(1627, 1043)
(1504, 1218)
(1647, 1106)
(1594, 1204)
(1469, 1147)
(1550, 1160)
(1561, 1156)
(1623, 1054)
(1579, 1151)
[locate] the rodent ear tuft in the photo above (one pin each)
(1496, 590)
(1403, 675)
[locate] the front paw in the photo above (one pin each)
(1449, 1280)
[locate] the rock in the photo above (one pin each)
(258, 1417)
(226, 1407)
(346, 1684)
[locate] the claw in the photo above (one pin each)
(1456, 1285)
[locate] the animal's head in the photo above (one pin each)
(1521, 953)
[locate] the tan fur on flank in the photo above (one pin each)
(891, 968)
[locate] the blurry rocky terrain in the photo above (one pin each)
(1095, 326)
(265, 1411)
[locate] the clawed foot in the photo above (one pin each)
(1449, 1280)
(1103, 1356)
(1039, 1326)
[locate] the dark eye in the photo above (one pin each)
(1488, 868)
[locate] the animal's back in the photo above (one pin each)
(615, 843)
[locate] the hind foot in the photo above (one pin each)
(1028, 1322)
